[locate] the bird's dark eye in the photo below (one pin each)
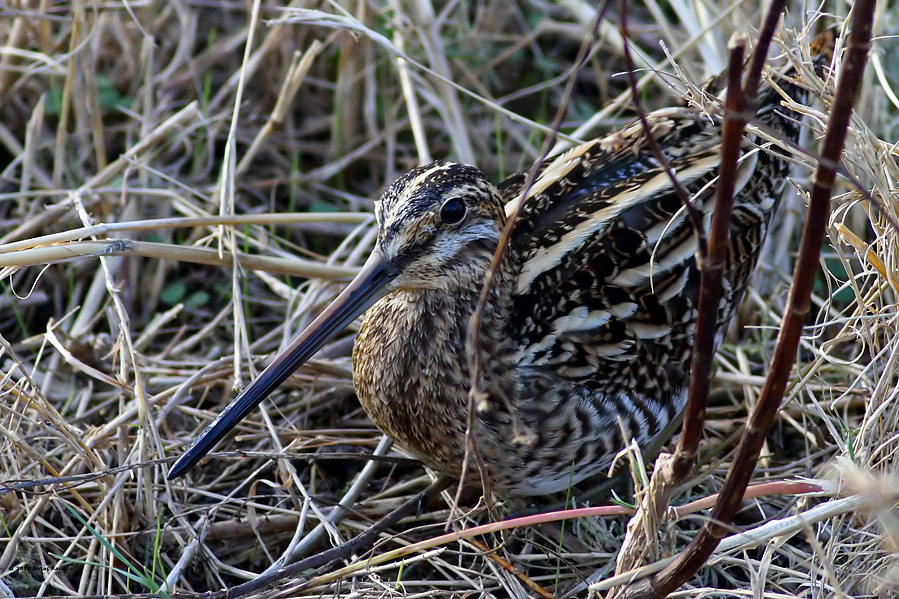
(452, 211)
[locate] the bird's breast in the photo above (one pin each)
(411, 376)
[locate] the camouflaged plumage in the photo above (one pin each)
(586, 336)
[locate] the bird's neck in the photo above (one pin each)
(422, 333)
(475, 289)
(413, 360)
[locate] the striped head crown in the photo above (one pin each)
(438, 221)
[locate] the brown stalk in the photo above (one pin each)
(737, 105)
(692, 213)
(712, 266)
(473, 348)
(671, 471)
(798, 306)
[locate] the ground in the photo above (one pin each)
(126, 324)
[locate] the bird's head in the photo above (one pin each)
(438, 226)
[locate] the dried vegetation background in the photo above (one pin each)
(144, 145)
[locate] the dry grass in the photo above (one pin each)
(150, 165)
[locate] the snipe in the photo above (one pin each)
(585, 338)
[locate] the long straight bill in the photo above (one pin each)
(363, 291)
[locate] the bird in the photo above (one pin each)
(582, 340)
